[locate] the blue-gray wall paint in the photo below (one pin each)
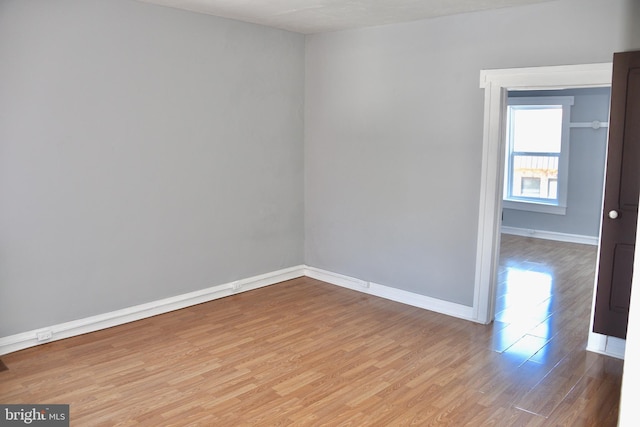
(587, 154)
(393, 133)
(145, 152)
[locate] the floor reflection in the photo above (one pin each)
(541, 330)
(526, 306)
(526, 296)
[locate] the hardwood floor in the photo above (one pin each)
(304, 352)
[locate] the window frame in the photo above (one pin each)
(534, 204)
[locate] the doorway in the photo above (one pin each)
(497, 83)
(553, 187)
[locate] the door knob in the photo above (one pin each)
(613, 214)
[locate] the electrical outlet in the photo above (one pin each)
(45, 335)
(236, 286)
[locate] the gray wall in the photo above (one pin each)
(393, 133)
(587, 154)
(145, 152)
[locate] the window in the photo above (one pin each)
(537, 153)
(530, 186)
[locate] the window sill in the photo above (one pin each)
(534, 207)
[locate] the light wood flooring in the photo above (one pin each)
(304, 352)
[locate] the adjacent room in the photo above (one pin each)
(275, 213)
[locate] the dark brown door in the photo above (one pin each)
(622, 187)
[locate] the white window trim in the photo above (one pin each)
(529, 206)
(563, 163)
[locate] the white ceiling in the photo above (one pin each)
(316, 16)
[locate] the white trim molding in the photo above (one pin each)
(551, 235)
(336, 279)
(44, 335)
(394, 294)
(496, 84)
(553, 77)
(28, 339)
(534, 207)
(609, 346)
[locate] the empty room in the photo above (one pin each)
(227, 213)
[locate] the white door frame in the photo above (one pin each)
(496, 84)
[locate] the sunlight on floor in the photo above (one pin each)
(525, 300)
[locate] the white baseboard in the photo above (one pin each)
(393, 294)
(60, 331)
(336, 279)
(551, 235)
(609, 346)
(24, 340)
